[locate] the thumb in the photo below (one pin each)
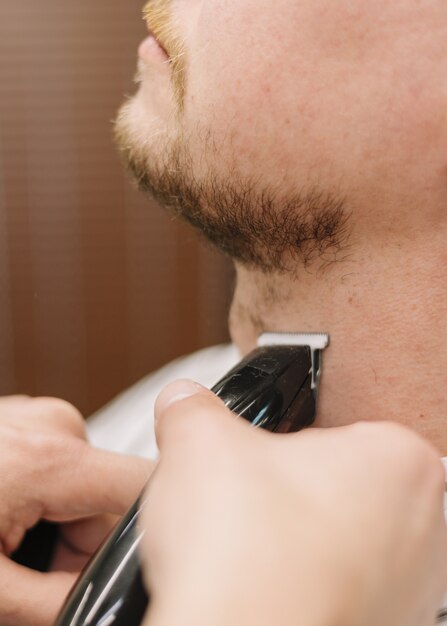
(185, 409)
(29, 598)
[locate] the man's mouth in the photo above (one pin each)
(157, 40)
(158, 20)
(165, 43)
(152, 47)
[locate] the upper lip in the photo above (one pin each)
(158, 36)
(159, 40)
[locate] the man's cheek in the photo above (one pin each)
(226, 101)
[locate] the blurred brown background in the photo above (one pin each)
(97, 287)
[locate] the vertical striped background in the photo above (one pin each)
(97, 287)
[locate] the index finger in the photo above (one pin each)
(87, 481)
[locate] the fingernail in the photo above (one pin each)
(174, 392)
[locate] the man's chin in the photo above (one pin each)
(259, 226)
(138, 139)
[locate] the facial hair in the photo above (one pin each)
(256, 225)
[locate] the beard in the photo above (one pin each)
(258, 226)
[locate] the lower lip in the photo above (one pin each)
(150, 51)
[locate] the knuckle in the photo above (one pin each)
(59, 412)
(438, 475)
(38, 445)
(409, 454)
(386, 435)
(56, 406)
(394, 443)
(429, 468)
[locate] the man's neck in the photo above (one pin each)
(386, 312)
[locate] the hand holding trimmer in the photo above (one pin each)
(276, 388)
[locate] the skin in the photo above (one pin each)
(49, 471)
(349, 102)
(47, 468)
(259, 539)
(314, 99)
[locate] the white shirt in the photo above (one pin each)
(126, 424)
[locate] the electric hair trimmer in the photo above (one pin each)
(275, 388)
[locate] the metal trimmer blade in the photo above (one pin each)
(317, 342)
